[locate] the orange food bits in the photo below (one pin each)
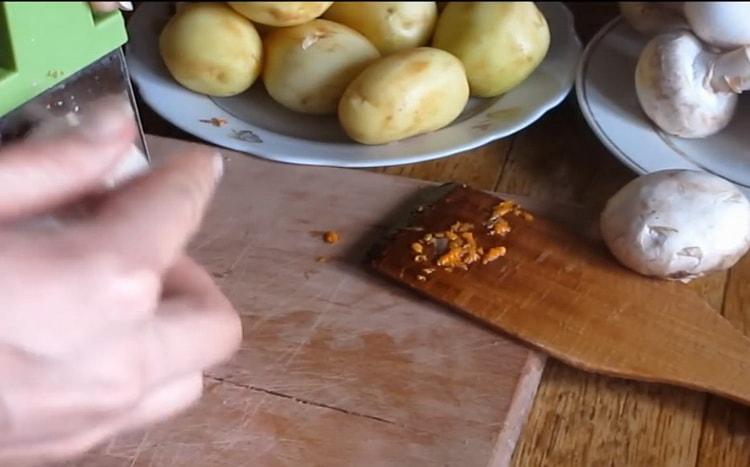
(450, 259)
(501, 227)
(462, 247)
(215, 121)
(493, 254)
(470, 249)
(461, 227)
(503, 208)
(331, 237)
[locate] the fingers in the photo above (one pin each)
(150, 220)
(195, 327)
(160, 403)
(40, 174)
(165, 401)
(106, 7)
(145, 372)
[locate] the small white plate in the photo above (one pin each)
(259, 126)
(605, 87)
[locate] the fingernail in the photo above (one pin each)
(106, 119)
(127, 6)
(218, 167)
(104, 7)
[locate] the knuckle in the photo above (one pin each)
(119, 279)
(192, 193)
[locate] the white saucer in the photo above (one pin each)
(605, 88)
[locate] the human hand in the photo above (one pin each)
(106, 7)
(105, 324)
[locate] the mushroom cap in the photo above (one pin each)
(672, 81)
(721, 24)
(649, 18)
(677, 224)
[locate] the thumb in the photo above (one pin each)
(40, 174)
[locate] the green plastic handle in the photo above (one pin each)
(44, 43)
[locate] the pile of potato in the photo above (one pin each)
(367, 62)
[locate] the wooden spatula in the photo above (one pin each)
(568, 296)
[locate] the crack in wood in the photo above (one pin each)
(311, 403)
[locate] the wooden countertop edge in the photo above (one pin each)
(519, 410)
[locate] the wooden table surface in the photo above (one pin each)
(581, 419)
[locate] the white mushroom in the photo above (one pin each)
(677, 224)
(721, 24)
(687, 90)
(653, 17)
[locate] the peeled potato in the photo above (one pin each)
(309, 66)
(407, 93)
(390, 26)
(280, 13)
(499, 43)
(210, 49)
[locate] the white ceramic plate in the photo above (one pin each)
(259, 126)
(605, 87)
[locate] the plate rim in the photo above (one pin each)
(271, 151)
(583, 103)
(588, 113)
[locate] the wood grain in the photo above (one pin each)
(479, 168)
(337, 367)
(630, 423)
(580, 419)
(237, 426)
(567, 296)
(558, 159)
(726, 431)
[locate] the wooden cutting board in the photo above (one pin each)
(338, 366)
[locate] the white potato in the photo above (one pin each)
(407, 93)
(280, 13)
(499, 43)
(211, 49)
(390, 26)
(308, 67)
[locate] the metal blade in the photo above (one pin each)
(105, 77)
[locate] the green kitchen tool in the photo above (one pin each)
(55, 59)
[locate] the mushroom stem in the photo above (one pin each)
(731, 71)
